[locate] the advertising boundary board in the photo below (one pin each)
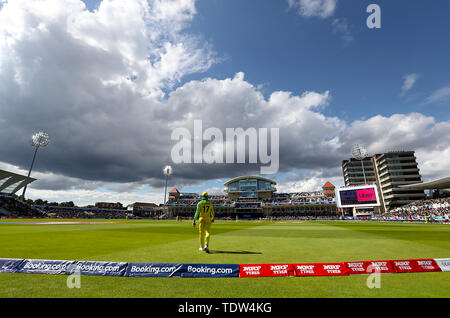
(10, 265)
(208, 270)
(65, 267)
(370, 267)
(443, 263)
(416, 266)
(152, 269)
(266, 270)
(98, 268)
(321, 269)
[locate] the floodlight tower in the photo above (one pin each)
(39, 139)
(167, 172)
(360, 152)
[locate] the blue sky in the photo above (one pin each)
(396, 77)
(276, 47)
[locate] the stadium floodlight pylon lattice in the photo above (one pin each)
(167, 172)
(39, 139)
(360, 152)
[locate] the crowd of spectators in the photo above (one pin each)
(78, 213)
(306, 194)
(303, 218)
(13, 207)
(430, 208)
(190, 214)
(300, 201)
(254, 206)
(305, 214)
(248, 205)
(191, 202)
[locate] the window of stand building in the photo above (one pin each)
(264, 185)
(233, 186)
(248, 185)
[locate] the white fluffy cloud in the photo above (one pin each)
(414, 131)
(323, 9)
(309, 182)
(84, 197)
(409, 81)
(441, 95)
(314, 8)
(342, 27)
(434, 164)
(135, 43)
(95, 81)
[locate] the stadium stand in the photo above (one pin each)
(256, 198)
(12, 207)
(85, 213)
(430, 208)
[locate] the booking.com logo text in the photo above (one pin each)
(231, 149)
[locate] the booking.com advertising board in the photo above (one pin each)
(63, 267)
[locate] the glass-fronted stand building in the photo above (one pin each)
(251, 187)
(248, 193)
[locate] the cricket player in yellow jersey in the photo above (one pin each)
(205, 213)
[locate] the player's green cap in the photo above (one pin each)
(204, 194)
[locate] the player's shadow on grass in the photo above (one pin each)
(233, 252)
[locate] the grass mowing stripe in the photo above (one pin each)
(435, 235)
(401, 285)
(88, 241)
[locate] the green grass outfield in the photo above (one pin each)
(238, 243)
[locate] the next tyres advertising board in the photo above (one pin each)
(357, 196)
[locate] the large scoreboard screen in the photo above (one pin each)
(358, 196)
